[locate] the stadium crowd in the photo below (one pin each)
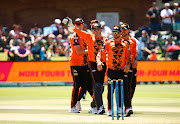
(161, 38)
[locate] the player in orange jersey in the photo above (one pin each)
(95, 42)
(118, 67)
(132, 44)
(78, 62)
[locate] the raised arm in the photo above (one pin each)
(84, 35)
(68, 21)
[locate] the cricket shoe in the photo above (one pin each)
(101, 110)
(132, 110)
(109, 113)
(78, 106)
(93, 110)
(128, 112)
(74, 110)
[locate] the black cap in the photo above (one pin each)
(79, 20)
(116, 29)
(35, 25)
(96, 26)
(125, 26)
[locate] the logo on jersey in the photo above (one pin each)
(75, 72)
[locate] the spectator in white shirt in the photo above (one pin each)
(107, 32)
(176, 14)
(166, 15)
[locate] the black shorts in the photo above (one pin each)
(80, 75)
(97, 76)
(115, 74)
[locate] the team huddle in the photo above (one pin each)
(91, 55)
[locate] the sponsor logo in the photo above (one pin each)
(75, 71)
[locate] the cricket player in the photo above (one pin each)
(132, 44)
(78, 62)
(95, 42)
(118, 67)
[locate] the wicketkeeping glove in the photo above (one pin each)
(68, 22)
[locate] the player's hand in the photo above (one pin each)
(126, 68)
(99, 66)
(68, 22)
(134, 65)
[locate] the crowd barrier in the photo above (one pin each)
(58, 73)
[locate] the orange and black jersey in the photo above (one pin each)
(94, 45)
(117, 54)
(131, 48)
(77, 59)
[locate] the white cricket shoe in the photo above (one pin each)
(78, 106)
(93, 110)
(74, 110)
(101, 110)
(128, 112)
(109, 113)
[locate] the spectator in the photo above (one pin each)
(175, 51)
(153, 16)
(168, 44)
(35, 32)
(106, 30)
(3, 39)
(17, 29)
(176, 21)
(35, 47)
(151, 48)
(52, 43)
(142, 41)
(62, 48)
(44, 53)
(14, 43)
(21, 53)
(166, 15)
(140, 50)
(53, 48)
(58, 30)
(144, 37)
(60, 33)
(162, 41)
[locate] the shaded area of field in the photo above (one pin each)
(50, 105)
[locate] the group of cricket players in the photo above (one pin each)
(91, 55)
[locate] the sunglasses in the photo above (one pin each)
(78, 24)
(116, 32)
(94, 29)
(124, 29)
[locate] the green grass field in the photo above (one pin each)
(50, 105)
